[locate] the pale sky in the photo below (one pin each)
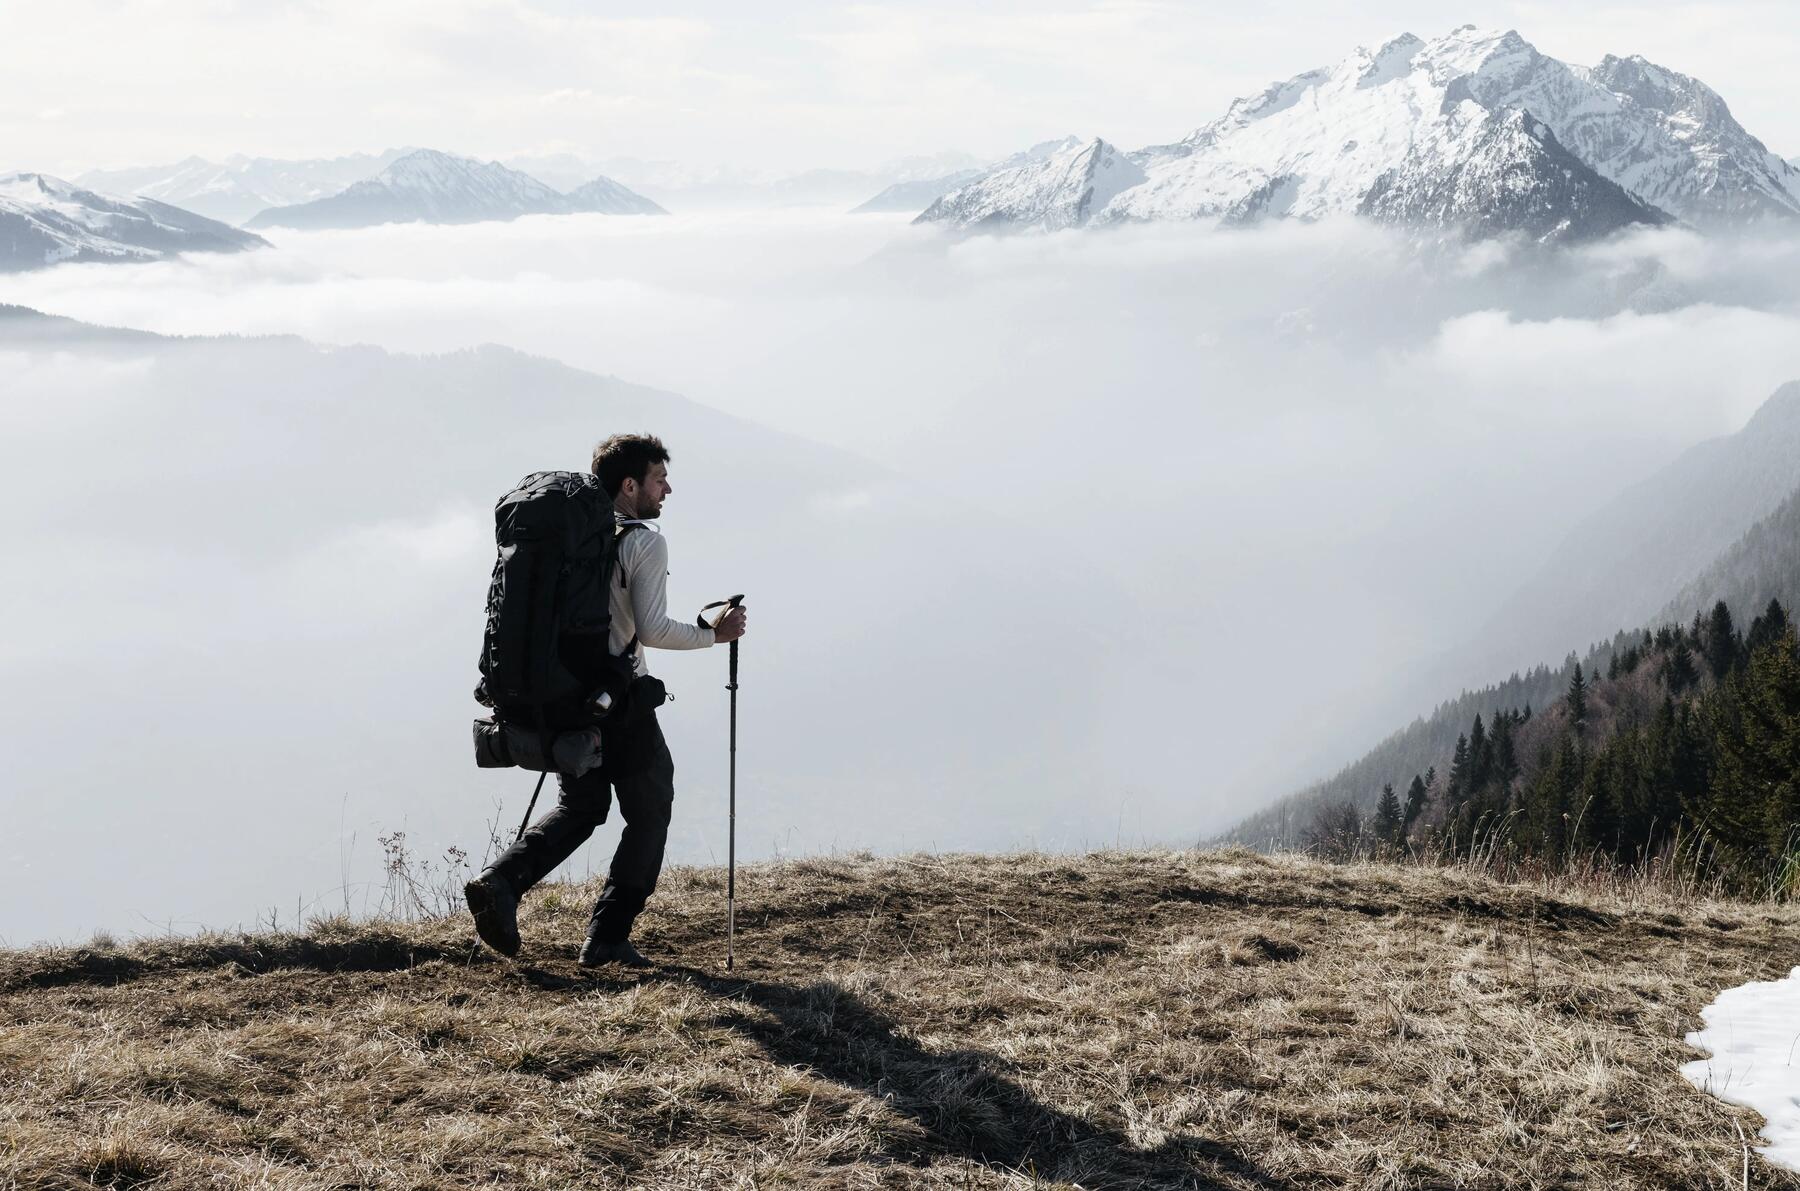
(778, 86)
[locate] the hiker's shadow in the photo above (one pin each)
(962, 1104)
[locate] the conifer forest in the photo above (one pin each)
(1677, 746)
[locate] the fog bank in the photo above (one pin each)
(1219, 498)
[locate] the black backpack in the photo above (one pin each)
(545, 660)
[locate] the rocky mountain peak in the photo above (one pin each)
(1626, 142)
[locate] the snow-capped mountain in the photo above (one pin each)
(915, 194)
(240, 186)
(1475, 129)
(424, 186)
(1064, 190)
(45, 220)
(1499, 172)
(432, 187)
(1667, 138)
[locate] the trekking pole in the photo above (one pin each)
(531, 806)
(731, 829)
(544, 743)
(731, 835)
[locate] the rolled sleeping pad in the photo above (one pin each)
(573, 751)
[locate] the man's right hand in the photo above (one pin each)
(731, 625)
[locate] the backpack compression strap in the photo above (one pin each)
(624, 528)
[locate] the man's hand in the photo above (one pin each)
(726, 618)
(731, 626)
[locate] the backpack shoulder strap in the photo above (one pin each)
(619, 532)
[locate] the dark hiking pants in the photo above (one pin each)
(636, 764)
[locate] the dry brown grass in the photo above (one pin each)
(1145, 1019)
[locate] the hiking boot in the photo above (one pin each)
(596, 954)
(496, 911)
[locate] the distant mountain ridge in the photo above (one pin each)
(691, 188)
(1475, 130)
(45, 221)
(240, 186)
(1722, 522)
(1622, 564)
(917, 194)
(1762, 565)
(434, 187)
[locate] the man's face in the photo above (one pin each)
(652, 491)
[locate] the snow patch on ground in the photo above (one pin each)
(1753, 1032)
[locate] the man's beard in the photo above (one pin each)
(648, 514)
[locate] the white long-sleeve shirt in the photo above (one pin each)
(640, 604)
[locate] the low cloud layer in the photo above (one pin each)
(1259, 482)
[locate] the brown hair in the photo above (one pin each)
(627, 457)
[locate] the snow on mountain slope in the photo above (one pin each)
(427, 186)
(1063, 190)
(915, 194)
(432, 187)
(238, 187)
(44, 220)
(1667, 138)
(1445, 133)
(610, 198)
(1502, 171)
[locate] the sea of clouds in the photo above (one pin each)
(1203, 508)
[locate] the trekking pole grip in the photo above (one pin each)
(734, 602)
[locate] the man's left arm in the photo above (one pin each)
(649, 589)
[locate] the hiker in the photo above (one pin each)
(633, 470)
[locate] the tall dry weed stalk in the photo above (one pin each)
(1686, 870)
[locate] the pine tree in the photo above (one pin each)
(1459, 773)
(1598, 798)
(1387, 816)
(1679, 672)
(1659, 811)
(1481, 759)
(1766, 629)
(1578, 707)
(1754, 802)
(1416, 795)
(1506, 760)
(1548, 802)
(1721, 643)
(1633, 806)
(1456, 790)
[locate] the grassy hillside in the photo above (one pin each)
(1155, 1019)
